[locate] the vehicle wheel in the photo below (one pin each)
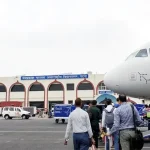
(23, 117)
(6, 117)
(63, 120)
(57, 120)
(27, 117)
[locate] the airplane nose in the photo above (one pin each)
(111, 80)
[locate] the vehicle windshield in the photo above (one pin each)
(139, 53)
(142, 53)
(20, 108)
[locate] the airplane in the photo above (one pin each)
(132, 77)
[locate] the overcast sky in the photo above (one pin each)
(44, 37)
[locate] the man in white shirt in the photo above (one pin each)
(115, 135)
(80, 123)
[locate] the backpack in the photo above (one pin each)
(109, 118)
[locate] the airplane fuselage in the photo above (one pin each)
(132, 77)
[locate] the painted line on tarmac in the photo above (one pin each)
(113, 148)
(37, 127)
(32, 131)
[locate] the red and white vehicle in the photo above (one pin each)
(15, 112)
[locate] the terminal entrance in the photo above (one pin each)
(38, 104)
(103, 101)
(102, 98)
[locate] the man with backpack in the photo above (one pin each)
(108, 121)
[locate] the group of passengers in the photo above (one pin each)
(87, 125)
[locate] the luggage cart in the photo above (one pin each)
(62, 112)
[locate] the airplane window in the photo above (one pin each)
(142, 53)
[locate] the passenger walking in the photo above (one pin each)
(117, 104)
(123, 121)
(95, 116)
(40, 114)
(108, 121)
(82, 132)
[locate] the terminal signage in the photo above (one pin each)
(49, 77)
(106, 92)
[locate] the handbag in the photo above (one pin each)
(137, 143)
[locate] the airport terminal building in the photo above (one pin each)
(43, 91)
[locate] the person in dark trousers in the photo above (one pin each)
(80, 123)
(95, 116)
(123, 122)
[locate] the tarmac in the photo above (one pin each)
(36, 134)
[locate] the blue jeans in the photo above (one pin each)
(115, 136)
(81, 141)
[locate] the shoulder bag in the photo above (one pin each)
(137, 142)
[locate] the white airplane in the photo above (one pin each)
(132, 77)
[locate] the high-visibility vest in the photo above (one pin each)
(148, 112)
